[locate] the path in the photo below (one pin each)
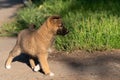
(74, 66)
(8, 9)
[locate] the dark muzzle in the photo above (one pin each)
(62, 31)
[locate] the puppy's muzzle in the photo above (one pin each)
(62, 31)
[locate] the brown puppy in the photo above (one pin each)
(37, 42)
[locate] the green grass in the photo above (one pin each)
(93, 24)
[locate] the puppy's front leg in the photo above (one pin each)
(44, 64)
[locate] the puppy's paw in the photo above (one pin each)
(8, 66)
(51, 74)
(37, 68)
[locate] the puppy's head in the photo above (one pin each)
(56, 25)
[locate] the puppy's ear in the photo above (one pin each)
(55, 17)
(52, 20)
(32, 27)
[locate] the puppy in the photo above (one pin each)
(36, 43)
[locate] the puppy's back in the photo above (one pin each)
(25, 34)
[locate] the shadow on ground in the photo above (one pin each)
(103, 67)
(100, 67)
(24, 58)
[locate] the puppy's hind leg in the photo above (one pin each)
(15, 52)
(37, 68)
(32, 64)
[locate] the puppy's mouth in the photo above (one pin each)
(62, 31)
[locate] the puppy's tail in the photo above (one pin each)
(32, 27)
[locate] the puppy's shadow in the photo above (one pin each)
(24, 58)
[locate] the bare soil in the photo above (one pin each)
(8, 10)
(77, 65)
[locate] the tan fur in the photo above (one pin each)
(37, 42)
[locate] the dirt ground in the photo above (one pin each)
(78, 65)
(8, 10)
